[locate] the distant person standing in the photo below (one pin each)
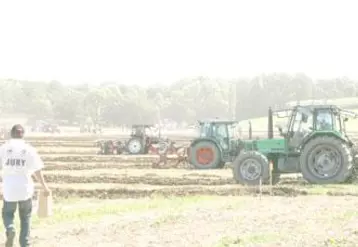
(19, 161)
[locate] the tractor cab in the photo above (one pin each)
(309, 119)
(220, 130)
(140, 130)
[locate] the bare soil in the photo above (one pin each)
(290, 217)
(84, 158)
(75, 166)
(136, 183)
(175, 135)
(67, 150)
(314, 221)
(117, 190)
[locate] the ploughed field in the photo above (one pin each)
(121, 200)
(73, 169)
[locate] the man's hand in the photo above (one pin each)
(41, 179)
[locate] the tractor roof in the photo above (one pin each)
(346, 102)
(318, 106)
(307, 103)
(322, 106)
(216, 120)
(310, 106)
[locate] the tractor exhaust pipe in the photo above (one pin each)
(250, 131)
(270, 124)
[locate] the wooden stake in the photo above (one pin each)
(260, 187)
(271, 172)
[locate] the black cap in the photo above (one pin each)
(17, 131)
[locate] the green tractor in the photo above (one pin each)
(314, 143)
(215, 144)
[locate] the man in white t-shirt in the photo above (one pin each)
(19, 161)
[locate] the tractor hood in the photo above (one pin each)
(275, 145)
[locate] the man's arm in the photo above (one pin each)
(36, 165)
(40, 178)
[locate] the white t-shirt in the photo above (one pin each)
(18, 160)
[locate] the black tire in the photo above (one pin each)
(213, 164)
(260, 164)
(135, 146)
(353, 177)
(222, 164)
(343, 160)
(119, 147)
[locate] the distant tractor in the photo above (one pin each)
(215, 145)
(45, 127)
(140, 142)
(314, 143)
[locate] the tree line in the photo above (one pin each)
(186, 100)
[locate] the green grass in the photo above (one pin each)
(248, 239)
(228, 242)
(94, 210)
(169, 218)
(312, 189)
(266, 226)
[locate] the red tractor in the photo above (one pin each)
(141, 142)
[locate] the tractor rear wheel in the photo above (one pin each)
(205, 155)
(250, 167)
(326, 160)
(135, 146)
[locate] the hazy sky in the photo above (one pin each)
(152, 41)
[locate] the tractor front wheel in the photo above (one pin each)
(326, 160)
(250, 167)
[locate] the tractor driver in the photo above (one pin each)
(307, 123)
(324, 121)
(302, 126)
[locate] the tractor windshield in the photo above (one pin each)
(303, 121)
(220, 131)
(325, 120)
(137, 131)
